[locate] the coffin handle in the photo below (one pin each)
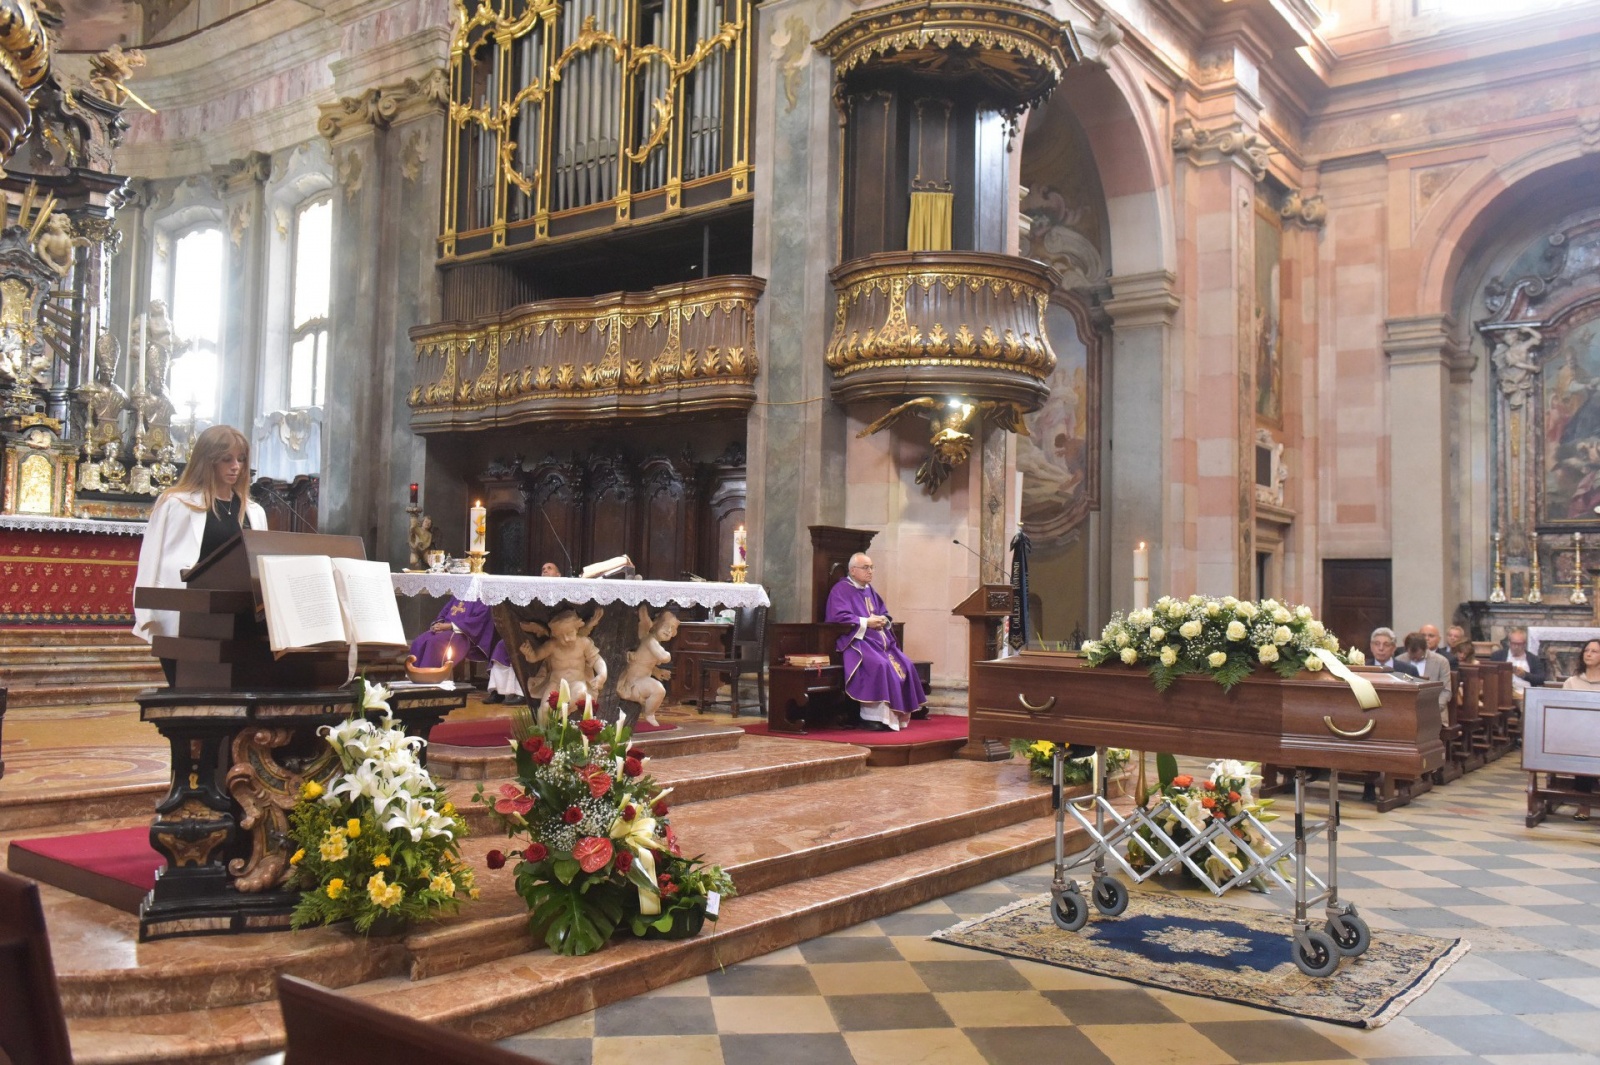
(1356, 735)
(1041, 708)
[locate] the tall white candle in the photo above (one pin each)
(475, 527)
(144, 330)
(739, 546)
(1141, 577)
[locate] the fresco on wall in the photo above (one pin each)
(1055, 458)
(1572, 422)
(1269, 316)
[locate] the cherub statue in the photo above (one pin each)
(642, 681)
(55, 243)
(110, 70)
(567, 654)
(421, 540)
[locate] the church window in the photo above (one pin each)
(312, 266)
(198, 260)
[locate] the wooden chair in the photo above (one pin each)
(749, 658)
(322, 1026)
(33, 1030)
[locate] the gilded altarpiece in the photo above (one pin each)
(1543, 338)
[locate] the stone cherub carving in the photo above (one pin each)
(566, 654)
(421, 540)
(110, 71)
(1515, 365)
(642, 681)
(55, 242)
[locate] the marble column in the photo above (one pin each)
(385, 145)
(796, 434)
(1421, 352)
(241, 185)
(1135, 470)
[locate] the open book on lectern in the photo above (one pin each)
(317, 603)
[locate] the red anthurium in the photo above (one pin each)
(599, 784)
(592, 853)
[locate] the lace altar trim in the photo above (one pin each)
(44, 523)
(553, 591)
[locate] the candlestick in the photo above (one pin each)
(144, 331)
(1141, 577)
(1578, 596)
(1535, 593)
(477, 529)
(1498, 590)
(740, 546)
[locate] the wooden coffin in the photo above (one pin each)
(1312, 721)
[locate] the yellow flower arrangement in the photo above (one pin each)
(335, 888)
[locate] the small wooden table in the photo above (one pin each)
(696, 642)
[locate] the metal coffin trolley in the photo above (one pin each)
(1310, 722)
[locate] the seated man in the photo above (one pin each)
(549, 570)
(465, 630)
(1527, 671)
(1382, 646)
(877, 674)
(1437, 644)
(1430, 665)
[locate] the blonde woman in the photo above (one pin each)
(208, 506)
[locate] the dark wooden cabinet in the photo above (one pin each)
(696, 642)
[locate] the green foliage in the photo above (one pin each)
(1166, 769)
(1040, 755)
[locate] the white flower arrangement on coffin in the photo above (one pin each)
(1226, 638)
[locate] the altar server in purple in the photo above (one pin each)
(465, 630)
(877, 674)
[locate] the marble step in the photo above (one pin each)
(93, 694)
(449, 763)
(810, 831)
(53, 636)
(28, 676)
(51, 654)
(500, 997)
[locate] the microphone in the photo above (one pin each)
(571, 569)
(980, 556)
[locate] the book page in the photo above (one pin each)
(372, 614)
(300, 601)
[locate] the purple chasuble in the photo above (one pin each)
(875, 669)
(472, 636)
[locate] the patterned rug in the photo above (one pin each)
(1218, 950)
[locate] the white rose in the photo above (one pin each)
(1330, 642)
(1281, 616)
(1313, 663)
(1235, 630)
(1302, 612)
(1316, 629)
(1190, 629)
(1356, 658)
(1129, 655)
(1196, 599)
(1089, 647)
(1169, 656)
(1213, 609)
(1267, 653)
(1281, 634)
(1176, 609)
(1246, 610)
(1217, 659)
(1122, 639)
(1157, 633)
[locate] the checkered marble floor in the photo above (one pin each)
(1456, 862)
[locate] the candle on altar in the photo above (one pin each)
(144, 328)
(413, 493)
(740, 546)
(1141, 576)
(475, 528)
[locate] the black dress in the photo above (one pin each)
(222, 525)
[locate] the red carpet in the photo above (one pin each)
(937, 727)
(117, 868)
(496, 732)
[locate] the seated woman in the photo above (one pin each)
(1586, 679)
(465, 631)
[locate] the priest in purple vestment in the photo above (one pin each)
(877, 674)
(465, 630)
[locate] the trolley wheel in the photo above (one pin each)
(1350, 934)
(1315, 953)
(1110, 897)
(1069, 910)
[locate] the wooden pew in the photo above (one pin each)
(33, 1028)
(322, 1026)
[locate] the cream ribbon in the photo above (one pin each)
(1360, 686)
(639, 836)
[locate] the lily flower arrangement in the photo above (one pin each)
(1226, 638)
(1194, 804)
(380, 842)
(597, 851)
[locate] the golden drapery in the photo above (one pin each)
(929, 227)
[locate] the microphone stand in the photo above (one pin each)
(985, 559)
(571, 569)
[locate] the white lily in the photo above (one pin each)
(375, 697)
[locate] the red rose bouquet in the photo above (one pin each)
(597, 852)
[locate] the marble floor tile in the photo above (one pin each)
(821, 1048)
(873, 977)
(971, 975)
(1265, 1042)
(916, 1047)
(662, 1050)
(772, 1014)
(1170, 1044)
(1000, 1009)
(879, 1012)
(1035, 1046)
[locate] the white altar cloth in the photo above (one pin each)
(45, 523)
(553, 591)
(1538, 634)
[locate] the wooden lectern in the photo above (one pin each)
(222, 632)
(985, 609)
